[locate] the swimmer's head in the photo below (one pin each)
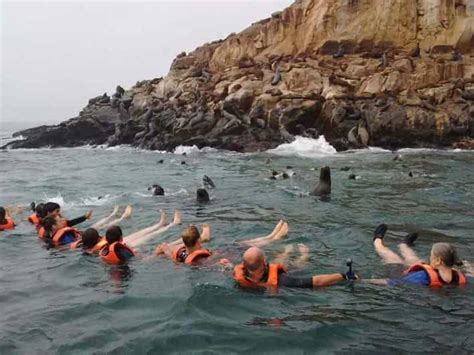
(444, 254)
(114, 234)
(3, 213)
(190, 236)
(51, 209)
(90, 238)
(39, 210)
(51, 224)
(254, 259)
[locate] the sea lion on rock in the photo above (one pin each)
(277, 77)
(206, 180)
(324, 186)
(202, 196)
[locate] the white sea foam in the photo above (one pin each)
(86, 201)
(305, 147)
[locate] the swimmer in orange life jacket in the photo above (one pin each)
(53, 209)
(188, 249)
(256, 272)
(438, 272)
(120, 249)
(6, 220)
(37, 214)
(56, 234)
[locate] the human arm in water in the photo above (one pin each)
(76, 221)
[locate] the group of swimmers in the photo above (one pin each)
(254, 271)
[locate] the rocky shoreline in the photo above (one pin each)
(409, 84)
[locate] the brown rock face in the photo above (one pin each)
(391, 73)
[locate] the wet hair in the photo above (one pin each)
(49, 207)
(48, 223)
(447, 253)
(113, 234)
(39, 210)
(3, 213)
(90, 237)
(190, 236)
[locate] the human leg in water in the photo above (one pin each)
(279, 232)
(388, 256)
(405, 249)
(138, 238)
(104, 221)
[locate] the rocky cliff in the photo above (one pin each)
(391, 73)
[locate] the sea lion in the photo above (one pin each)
(161, 161)
(324, 186)
(202, 196)
(157, 190)
(183, 162)
(277, 77)
(397, 157)
(206, 180)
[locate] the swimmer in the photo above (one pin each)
(188, 248)
(119, 249)
(37, 209)
(6, 220)
(56, 234)
(53, 209)
(438, 272)
(256, 272)
(91, 242)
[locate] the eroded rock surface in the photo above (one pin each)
(361, 72)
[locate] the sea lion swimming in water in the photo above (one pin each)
(157, 190)
(206, 180)
(202, 196)
(324, 186)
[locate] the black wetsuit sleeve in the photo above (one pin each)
(73, 222)
(290, 281)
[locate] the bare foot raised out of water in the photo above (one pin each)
(177, 217)
(128, 212)
(277, 227)
(206, 233)
(115, 210)
(162, 218)
(282, 233)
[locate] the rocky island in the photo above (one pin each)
(392, 73)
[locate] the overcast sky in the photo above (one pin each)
(56, 55)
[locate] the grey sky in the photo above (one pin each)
(57, 55)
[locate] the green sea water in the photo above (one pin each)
(66, 302)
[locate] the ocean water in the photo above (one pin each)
(64, 302)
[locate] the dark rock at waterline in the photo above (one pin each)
(345, 168)
(324, 185)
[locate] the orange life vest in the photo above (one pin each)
(272, 281)
(435, 280)
(193, 257)
(41, 231)
(60, 232)
(34, 219)
(109, 255)
(9, 225)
